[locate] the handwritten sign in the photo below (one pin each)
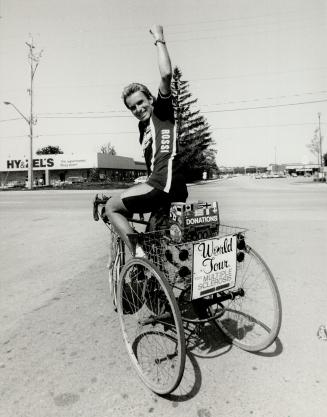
(214, 266)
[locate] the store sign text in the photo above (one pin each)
(37, 163)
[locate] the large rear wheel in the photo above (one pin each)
(252, 318)
(151, 325)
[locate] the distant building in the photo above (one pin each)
(53, 168)
(302, 169)
(271, 169)
(279, 169)
(248, 169)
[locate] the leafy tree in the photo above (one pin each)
(108, 149)
(49, 150)
(94, 174)
(193, 132)
(314, 145)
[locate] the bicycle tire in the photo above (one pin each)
(151, 325)
(252, 321)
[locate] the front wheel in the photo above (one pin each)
(252, 318)
(151, 325)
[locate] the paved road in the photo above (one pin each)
(61, 352)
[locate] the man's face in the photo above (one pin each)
(140, 105)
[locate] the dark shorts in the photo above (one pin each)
(148, 202)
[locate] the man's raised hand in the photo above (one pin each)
(157, 32)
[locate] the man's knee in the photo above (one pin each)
(115, 205)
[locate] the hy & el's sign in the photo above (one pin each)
(59, 161)
(23, 164)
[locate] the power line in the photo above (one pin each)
(135, 132)
(15, 136)
(264, 126)
(68, 114)
(294, 14)
(204, 111)
(84, 112)
(265, 98)
(192, 80)
(85, 117)
(219, 36)
(91, 133)
(291, 12)
(281, 20)
(10, 120)
(256, 74)
(264, 107)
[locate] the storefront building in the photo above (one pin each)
(49, 169)
(302, 169)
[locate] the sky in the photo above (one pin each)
(256, 67)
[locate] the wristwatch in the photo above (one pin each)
(160, 41)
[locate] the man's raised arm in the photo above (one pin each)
(163, 59)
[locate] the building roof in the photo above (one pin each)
(119, 162)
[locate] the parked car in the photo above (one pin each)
(140, 180)
(74, 180)
(58, 183)
(15, 184)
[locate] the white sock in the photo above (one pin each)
(139, 252)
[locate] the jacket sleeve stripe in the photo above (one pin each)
(170, 162)
(154, 144)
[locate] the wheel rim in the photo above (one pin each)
(252, 321)
(151, 326)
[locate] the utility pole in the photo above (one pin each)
(34, 59)
(320, 147)
(34, 62)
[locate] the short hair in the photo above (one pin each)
(134, 88)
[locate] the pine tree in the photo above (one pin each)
(193, 132)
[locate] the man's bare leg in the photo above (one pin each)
(118, 213)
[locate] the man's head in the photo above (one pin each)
(138, 100)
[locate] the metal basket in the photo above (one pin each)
(175, 260)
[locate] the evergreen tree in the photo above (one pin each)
(193, 132)
(314, 145)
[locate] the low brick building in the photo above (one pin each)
(53, 168)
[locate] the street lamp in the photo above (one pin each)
(30, 162)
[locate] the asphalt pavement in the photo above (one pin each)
(61, 350)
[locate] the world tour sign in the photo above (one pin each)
(60, 161)
(214, 266)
